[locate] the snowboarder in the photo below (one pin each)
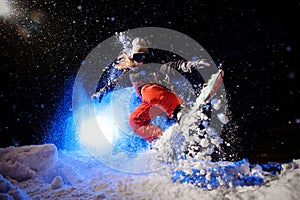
(156, 98)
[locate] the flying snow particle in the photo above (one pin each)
(204, 143)
(223, 118)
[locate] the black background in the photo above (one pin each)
(256, 42)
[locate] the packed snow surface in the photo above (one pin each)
(43, 172)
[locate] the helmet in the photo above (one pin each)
(139, 45)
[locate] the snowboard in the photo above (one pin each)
(211, 88)
(175, 142)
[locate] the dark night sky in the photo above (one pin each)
(43, 44)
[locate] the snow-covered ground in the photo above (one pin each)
(43, 172)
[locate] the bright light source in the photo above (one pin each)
(4, 8)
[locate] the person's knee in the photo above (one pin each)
(135, 122)
(132, 120)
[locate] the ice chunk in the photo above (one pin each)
(211, 131)
(57, 183)
(223, 118)
(217, 141)
(216, 104)
(204, 142)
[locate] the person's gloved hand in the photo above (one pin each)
(97, 96)
(197, 64)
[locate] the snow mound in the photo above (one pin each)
(26, 162)
(77, 175)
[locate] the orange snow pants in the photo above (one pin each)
(155, 100)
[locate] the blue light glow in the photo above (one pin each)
(117, 141)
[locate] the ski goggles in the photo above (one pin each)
(139, 57)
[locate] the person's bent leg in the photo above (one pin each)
(139, 121)
(149, 132)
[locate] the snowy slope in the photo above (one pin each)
(41, 172)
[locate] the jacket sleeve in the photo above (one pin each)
(161, 56)
(109, 74)
(175, 61)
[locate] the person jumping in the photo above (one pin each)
(156, 98)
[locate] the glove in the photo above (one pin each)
(95, 96)
(198, 64)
